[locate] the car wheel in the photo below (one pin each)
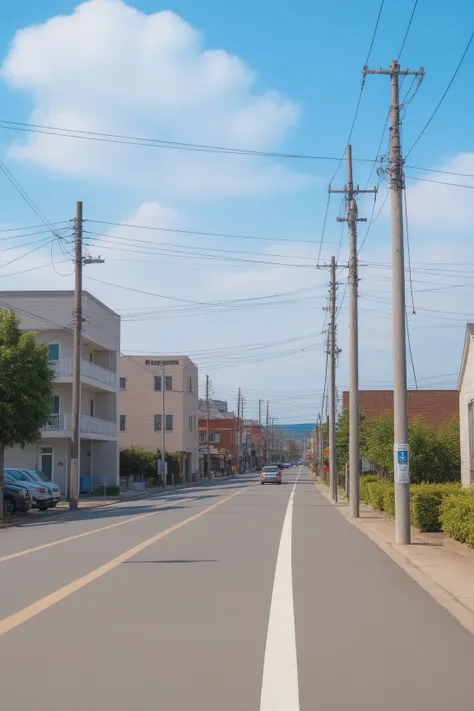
(262, 483)
(55, 504)
(279, 482)
(41, 507)
(8, 507)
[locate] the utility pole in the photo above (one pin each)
(332, 383)
(76, 364)
(354, 444)
(267, 425)
(260, 434)
(242, 447)
(238, 433)
(208, 430)
(400, 409)
(79, 262)
(164, 473)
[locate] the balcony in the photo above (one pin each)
(91, 373)
(91, 427)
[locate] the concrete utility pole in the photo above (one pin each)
(238, 443)
(208, 429)
(76, 364)
(164, 473)
(260, 434)
(354, 444)
(267, 425)
(400, 409)
(79, 262)
(332, 383)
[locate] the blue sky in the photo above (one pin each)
(95, 75)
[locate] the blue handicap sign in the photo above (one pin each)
(402, 456)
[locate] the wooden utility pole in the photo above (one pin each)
(354, 445)
(400, 406)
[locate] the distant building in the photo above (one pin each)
(50, 315)
(223, 437)
(145, 381)
(435, 406)
(466, 408)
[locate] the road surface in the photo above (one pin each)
(226, 597)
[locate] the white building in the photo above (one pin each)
(160, 392)
(466, 408)
(50, 315)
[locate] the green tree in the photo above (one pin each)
(449, 450)
(342, 437)
(26, 387)
(378, 443)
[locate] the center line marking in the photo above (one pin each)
(280, 691)
(9, 623)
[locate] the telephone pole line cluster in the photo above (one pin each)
(352, 219)
(400, 409)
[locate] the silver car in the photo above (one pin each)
(270, 475)
(40, 478)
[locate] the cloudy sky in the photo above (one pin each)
(213, 253)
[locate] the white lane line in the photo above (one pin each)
(280, 690)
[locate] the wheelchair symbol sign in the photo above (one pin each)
(402, 456)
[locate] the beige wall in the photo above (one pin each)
(466, 395)
(139, 403)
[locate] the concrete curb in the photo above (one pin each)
(402, 556)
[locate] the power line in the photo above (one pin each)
(407, 31)
(442, 97)
(441, 182)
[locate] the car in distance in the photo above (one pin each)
(271, 475)
(41, 495)
(15, 498)
(40, 478)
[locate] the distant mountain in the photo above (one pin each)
(299, 431)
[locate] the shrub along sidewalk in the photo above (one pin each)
(434, 507)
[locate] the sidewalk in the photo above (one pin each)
(443, 568)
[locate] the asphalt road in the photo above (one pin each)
(226, 597)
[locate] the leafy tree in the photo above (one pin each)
(423, 452)
(378, 443)
(449, 450)
(342, 437)
(26, 387)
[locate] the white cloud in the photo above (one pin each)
(440, 206)
(108, 67)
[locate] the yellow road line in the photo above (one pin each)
(18, 618)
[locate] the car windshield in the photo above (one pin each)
(13, 474)
(32, 476)
(270, 469)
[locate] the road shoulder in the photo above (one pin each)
(442, 571)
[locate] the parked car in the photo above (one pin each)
(39, 477)
(271, 474)
(15, 498)
(40, 494)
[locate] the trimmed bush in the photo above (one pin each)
(376, 491)
(110, 490)
(457, 517)
(365, 480)
(425, 503)
(389, 501)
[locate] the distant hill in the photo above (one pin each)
(299, 431)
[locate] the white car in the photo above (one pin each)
(40, 493)
(40, 478)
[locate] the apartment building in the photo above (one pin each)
(222, 436)
(50, 315)
(146, 382)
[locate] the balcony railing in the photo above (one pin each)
(88, 425)
(63, 369)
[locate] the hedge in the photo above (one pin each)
(425, 503)
(376, 490)
(457, 517)
(110, 490)
(365, 480)
(389, 501)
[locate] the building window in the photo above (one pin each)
(55, 405)
(190, 384)
(169, 423)
(168, 382)
(53, 351)
(92, 408)
(157, 421)
(123, 423)
(157, 383)
(123, 383)
(215, 437)
(190, 423)
(470, 414)
(202, 438)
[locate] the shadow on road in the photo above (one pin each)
(139, 562)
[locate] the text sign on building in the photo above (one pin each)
(402, 464)
(162, 362)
